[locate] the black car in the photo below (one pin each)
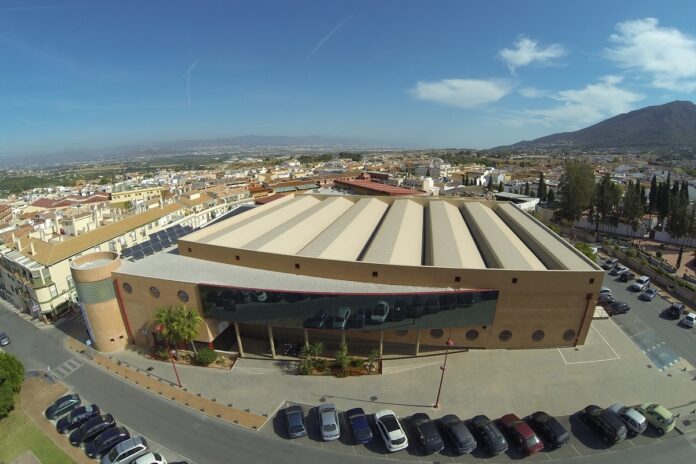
(91, 429)
(294, 418)
(488, 434)
(549, 429)
(609, 426)
(62, 405)
(626, 276)
(360, 425)
(676, 310)
(617, 307)
(105, 441)
(458, 433)
(77, 417)
(427, 434)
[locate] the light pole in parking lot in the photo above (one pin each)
(448, 343)
(159, 328)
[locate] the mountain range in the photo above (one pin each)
(668, 126)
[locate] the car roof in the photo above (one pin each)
(355, 412)
(326, 407)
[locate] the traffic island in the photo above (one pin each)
(171, 391)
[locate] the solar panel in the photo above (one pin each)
(137, 256)
(157, 247)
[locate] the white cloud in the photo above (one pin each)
(462, 93)
(667, 55)
(588, 105)
(526, 51)
(532, 92)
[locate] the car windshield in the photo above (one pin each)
(112, 455)
(398, 441)
(329, 427)
(532, 441)
(296, 428)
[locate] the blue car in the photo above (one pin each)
(360, 426)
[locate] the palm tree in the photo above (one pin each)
(178, 324)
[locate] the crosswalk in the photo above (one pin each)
(65, 369)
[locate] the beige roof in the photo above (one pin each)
(450, 243)
(501, 247)
(52, 253)
(345, 239)
(399, 239)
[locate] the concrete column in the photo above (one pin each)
(270, 341)
(306, 338)
(381, 343)
(239, 339)
(418, 335)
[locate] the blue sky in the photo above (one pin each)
(80, 74)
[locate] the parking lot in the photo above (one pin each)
(584, 441)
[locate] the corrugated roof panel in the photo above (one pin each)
(450, 243)
(347, 236)
(296, 233)
(554, 253)
(246, 231)
(399, 239)
(499, 244)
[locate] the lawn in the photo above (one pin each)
(18, 434)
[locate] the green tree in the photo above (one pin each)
(501, 187)
(551, 196)
(542, 190)
(586, 250)
(652, 196)
(11, 378)
(632, 207)
(576, 188)
(526, 188)
(490, 182)
(179, 324)
(680, 221)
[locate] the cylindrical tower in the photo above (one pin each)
(95, 289)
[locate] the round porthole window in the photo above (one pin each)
(472, 334)
(127, 287)
(538, 335)
(401, 333)
(568, 335)
(154, 292)
(505, 335)
(183, 296)
(436, 333)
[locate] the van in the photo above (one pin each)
(641, 284)
(126, 451)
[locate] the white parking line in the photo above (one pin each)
(576, 450)
(617, 357)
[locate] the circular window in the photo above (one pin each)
(505, 335)
(183, 296)
(436, 333)
(538, 335)
(568, 335)
(472, 334)
(127, 287)
(401, 333)
(154, 291)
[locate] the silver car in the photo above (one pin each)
(635, 422)
(328, 422)
(4, 339)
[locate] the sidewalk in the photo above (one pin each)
(39, 324)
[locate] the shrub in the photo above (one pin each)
(320, 364)
(644, 261)
(658, 254)
(6, 399)
(205, 356)
(631, 253)
(662, 246)
(660, 271)
(342, 356)
(356, 362)
(162, 353)
(11, 372)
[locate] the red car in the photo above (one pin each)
(521, 434)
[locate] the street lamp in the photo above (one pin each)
(159, 328)
(448, 343)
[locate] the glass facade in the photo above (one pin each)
(372, 311)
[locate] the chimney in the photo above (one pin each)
(74, 226)
(14, 238)
(19, 244)
(31, 247)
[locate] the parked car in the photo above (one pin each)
(390, 430)
(488, 434)
(641, 284)
(610, 263)
(126, 451)
(635, 422)
(91, 429)
(62, 405)
(605, 299)
(521, 434)
(626, 276)
(605, 290)
(294, 417)
(4, 339)
(658, 416)
(317, 322)
(105, 441)
(380, 312)
(340, 320)
(77, 417)
(328, 422)
(426, 432)
(648, 295)
(459, 434)
(676, 310)
(617, 307)
(607, 424)
(689, 320)
(549, 429)
(618, 270)
(150, 458)
(359, 425)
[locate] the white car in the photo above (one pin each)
(126, 451)
(150, 458)
(390, 430)
(689, 320)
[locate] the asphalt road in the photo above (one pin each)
(206, 440)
